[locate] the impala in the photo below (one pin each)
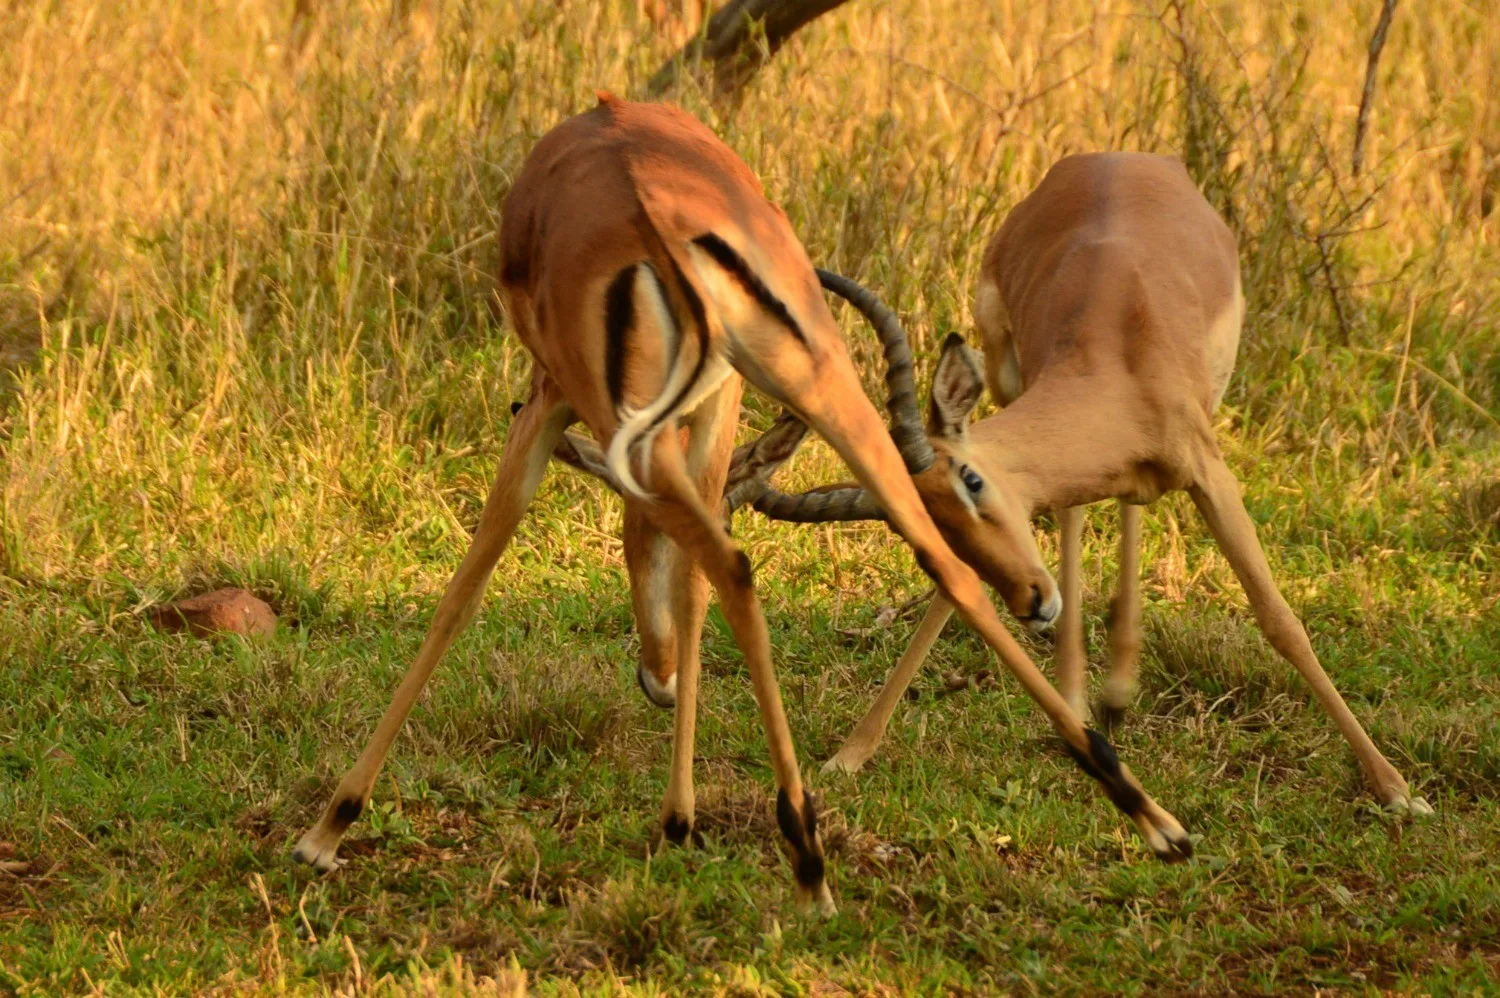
(1110, 308)
(645, 272)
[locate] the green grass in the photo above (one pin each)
(249, 328)
(152, 780)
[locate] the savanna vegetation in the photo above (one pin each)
(249, 337)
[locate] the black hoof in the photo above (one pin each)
(1110, 718)
(676, 829)
(803, 845)
(1179, 850)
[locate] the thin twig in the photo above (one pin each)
(1377, 44)
(1326, 260)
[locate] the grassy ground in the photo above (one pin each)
(245, 310)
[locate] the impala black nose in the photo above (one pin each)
(1036, 602)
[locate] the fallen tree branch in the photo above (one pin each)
(741, 37)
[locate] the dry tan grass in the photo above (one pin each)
(204, 234)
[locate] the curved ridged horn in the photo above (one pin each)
(753, 464)
(750, 468)
(822, 505)
(743, 493)
(906, 420)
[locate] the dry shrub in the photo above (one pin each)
(1472, 510)
(1214, 660)
(555, 707)
(625, 924)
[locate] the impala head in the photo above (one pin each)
(965, 493)
(959, 483)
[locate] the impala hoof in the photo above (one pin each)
(318, 850)
(678, 830)
(1165, 837)
(1110, 717)
(1117, 696)
(1179, 849)
(1402, 804)
(662, 694)
(847, 760)
(815, 901)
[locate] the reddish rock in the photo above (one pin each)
(9, 865)
(223, 611)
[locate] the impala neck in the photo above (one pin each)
(1067, 441)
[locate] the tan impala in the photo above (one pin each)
(644, 271)
(1109, 306)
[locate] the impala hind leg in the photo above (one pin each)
(1124, 624)
(710, 443)
(870, 731)
(528, 446)
(1218, 499)
(656, 568)
(681, 513)
(1072, 659)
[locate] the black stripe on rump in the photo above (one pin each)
(725, 256)
(619, 317)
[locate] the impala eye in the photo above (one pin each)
(971, 479)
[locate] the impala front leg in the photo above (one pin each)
(870, 731)
(1124, 624)
(860, 439)
(1218, 499)
(1072, 659)
(528, 445)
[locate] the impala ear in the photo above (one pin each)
(956, 389)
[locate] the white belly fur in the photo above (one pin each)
(1002, 368)
(1223, 344)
